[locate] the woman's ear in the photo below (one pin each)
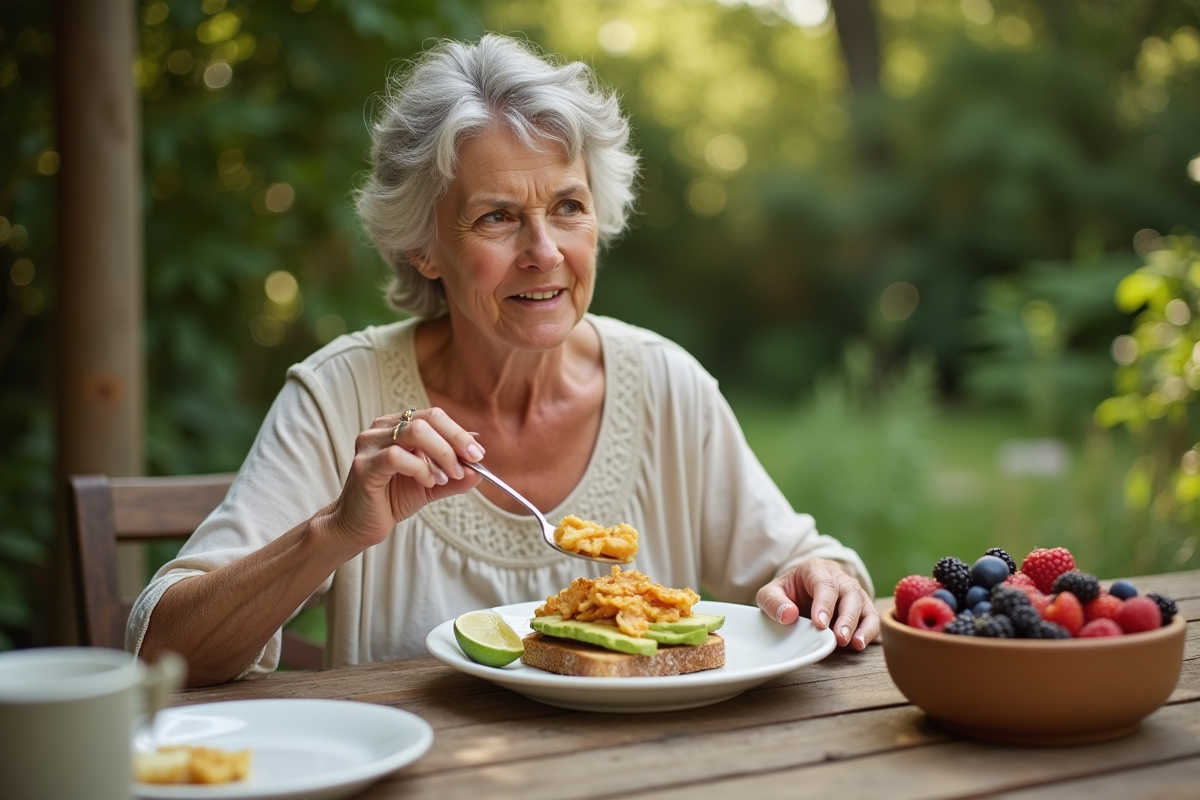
(423, 264)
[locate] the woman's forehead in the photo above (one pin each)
(497, 161)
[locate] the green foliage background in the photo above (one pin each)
(1015, 162)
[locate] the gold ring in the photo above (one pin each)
(405, 418)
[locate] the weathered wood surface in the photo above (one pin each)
(836, 728)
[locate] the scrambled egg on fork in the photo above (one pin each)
(589, 539)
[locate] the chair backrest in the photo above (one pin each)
(103, 511)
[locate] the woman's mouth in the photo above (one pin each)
(539, 295)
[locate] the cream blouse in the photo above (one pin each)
(670, 460)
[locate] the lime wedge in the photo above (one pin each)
(487, 639)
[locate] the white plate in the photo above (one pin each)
(757, 649)
(302, 749)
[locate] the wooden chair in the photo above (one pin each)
(103, 511)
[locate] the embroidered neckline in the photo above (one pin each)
(477, 527)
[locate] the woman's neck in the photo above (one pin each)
(499, 381)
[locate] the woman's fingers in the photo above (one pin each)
(432, 433)
(774, 601)
(831, 598)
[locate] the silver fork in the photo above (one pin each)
(547, 528)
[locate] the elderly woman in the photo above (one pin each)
(497, 177)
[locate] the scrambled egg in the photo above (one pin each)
(631, 599)
(189, 764)
(590, 539)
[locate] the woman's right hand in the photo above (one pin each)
(397, 471)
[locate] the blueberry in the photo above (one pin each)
(988, 571)
(947, 597)
(1123, 590)
(981, 608)
(976, 595)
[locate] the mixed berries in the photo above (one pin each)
(1046, 598)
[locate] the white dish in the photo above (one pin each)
(757, 649)
(302, 749)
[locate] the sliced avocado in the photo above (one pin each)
(599, 634)
(699, 636)
(696, 622)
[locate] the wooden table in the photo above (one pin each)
(839, 728)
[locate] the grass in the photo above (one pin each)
(956, 498)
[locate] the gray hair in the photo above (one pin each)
(455, 90)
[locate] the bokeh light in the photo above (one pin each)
(279, 197)
(21, 272)
(616, 37)
(281, 287)
(218, 75)
(1124, 350)
(726, 152)
(328, 328)
(898, 301)
(706, 197)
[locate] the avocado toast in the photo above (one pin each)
(600, 650)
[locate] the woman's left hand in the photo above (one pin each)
(822, 590)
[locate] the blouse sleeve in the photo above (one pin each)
(293, 469)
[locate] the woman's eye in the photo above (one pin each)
(492, 216)
(571, 207)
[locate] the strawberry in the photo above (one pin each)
(1044, 565)
(1021, 580)
(910, 589)
(1067, 611)
(1139, 614)
(1103, 607)
(1101, 626)
(932, 614)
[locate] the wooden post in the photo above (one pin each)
(98, 308)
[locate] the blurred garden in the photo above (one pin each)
(939, 254)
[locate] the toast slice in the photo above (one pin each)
(567, 657)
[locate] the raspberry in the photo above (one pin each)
(955, 575)
(1067, 611)
(1003, 556)
(1166, 605)
(1139, 614)
(962, 625)
(1103, 607)
(1100, 627)
(1038, 600)
(1020, 580)
(910, 589)
(994, 626)
(1081, 584)
(930, 614)
(1045, 565)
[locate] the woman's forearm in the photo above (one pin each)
(219, 621)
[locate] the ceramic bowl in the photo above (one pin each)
(1026, 691)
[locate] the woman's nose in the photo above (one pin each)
(541, 249)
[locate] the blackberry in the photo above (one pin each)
(955, 575)
(994, 626)
(1080, 584)
(1006, 599)
(1048, 630)
(1024, 619)
(1166, 605)
(1003, 556)
(962, 625)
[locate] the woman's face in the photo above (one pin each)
(516, 242)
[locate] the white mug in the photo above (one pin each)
(67, 717)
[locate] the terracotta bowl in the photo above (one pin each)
(1023, 691)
